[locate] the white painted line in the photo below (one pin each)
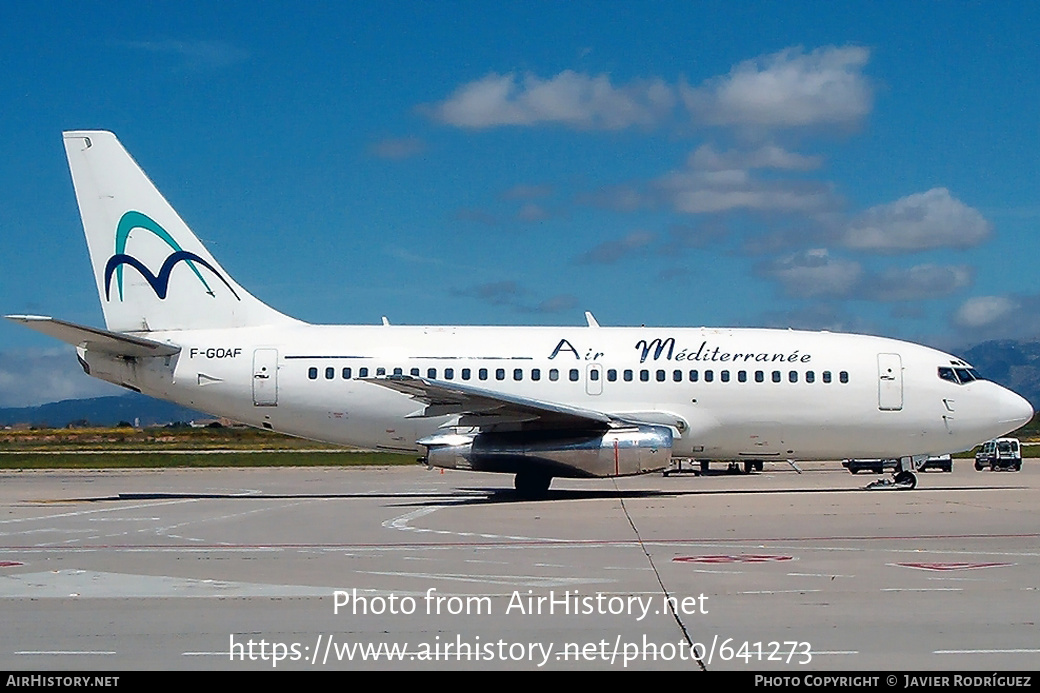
(64, 652)
(922, 589)
(1009, 651)
(95, 511)
(823, 575)
(522, 580)
(779, 592)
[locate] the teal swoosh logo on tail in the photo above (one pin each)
(136, 220)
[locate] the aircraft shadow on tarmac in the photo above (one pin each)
(486, 496)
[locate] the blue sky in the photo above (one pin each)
(868, 167)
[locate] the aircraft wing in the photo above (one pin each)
(95, 339)
(478, 407)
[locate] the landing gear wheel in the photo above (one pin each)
(979, 466)
(532, 483)
(907, 479)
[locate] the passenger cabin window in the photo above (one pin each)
(500, 374)
(518, 374)
(398, 371)
(843, 376)
(612, 374)
(826, 376)
(449, 373)
(677, 376)
(415, 372)
(709, 376)
(574, 375)
(742, 376)
(724, 375)
(760, 377)
(628, 375)
(793, 376)
(312, 373)
(644, 376)
(346, 374)
(482, 374)
(431, 373)
(776, 376)
(660, 376)
(810, 377)
(536, 374)
(362, 372)
(465, 373)
(694, 376)
(594, 374)
(330, 373)
(380, 371)
(554, 374)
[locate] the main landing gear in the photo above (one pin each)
(532, 483)
(904, 478)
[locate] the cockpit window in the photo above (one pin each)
(959, 375)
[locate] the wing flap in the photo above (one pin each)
(479, 407)
(95, 339)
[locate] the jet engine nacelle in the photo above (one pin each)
(615, 452)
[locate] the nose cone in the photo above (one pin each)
(1013, 409)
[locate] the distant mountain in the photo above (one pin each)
(100, 411)
(1012, 363)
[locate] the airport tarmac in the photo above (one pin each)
(247, 568)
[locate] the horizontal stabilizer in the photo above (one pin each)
(94, 339)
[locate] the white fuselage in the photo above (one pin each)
(726, 393)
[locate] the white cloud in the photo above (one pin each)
(759, 197)
(530, 212)
(715, 182)
(610, 252)
(195, 55)
(984, 311)
(30, 378)
(814, 273)
(785, 89)
(707, 158)
(620, 198)
(922, 221)
(510, 294)
(570, 98)
(920, 282)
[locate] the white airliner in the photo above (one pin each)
(537, 402)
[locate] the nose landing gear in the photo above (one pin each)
(904, 478)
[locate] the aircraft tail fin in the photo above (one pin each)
(152, 273)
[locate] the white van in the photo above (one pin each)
(999, 453)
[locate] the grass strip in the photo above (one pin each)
(182, 460)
